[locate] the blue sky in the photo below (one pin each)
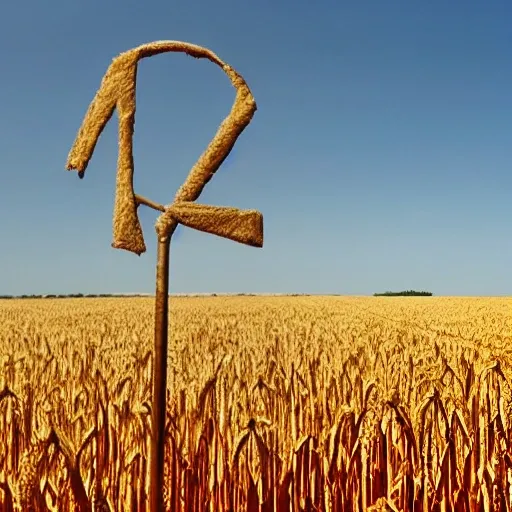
(380, 154)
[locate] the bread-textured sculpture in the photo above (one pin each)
(117, 91)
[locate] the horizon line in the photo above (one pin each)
(226, 294)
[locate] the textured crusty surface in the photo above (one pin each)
(117, 91)
(244, 226)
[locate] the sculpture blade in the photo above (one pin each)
(243, 226)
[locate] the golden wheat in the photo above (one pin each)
(274, 403)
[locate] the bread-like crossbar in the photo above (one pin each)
(244, 226)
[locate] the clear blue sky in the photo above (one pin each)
(380, 154)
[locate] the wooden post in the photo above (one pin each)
(158, 412)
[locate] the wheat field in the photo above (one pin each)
(274, 404)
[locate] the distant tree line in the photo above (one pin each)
(68, 296)
(407, 293)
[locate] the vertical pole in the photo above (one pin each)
(159, 376)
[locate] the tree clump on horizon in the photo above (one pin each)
(407, 293)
